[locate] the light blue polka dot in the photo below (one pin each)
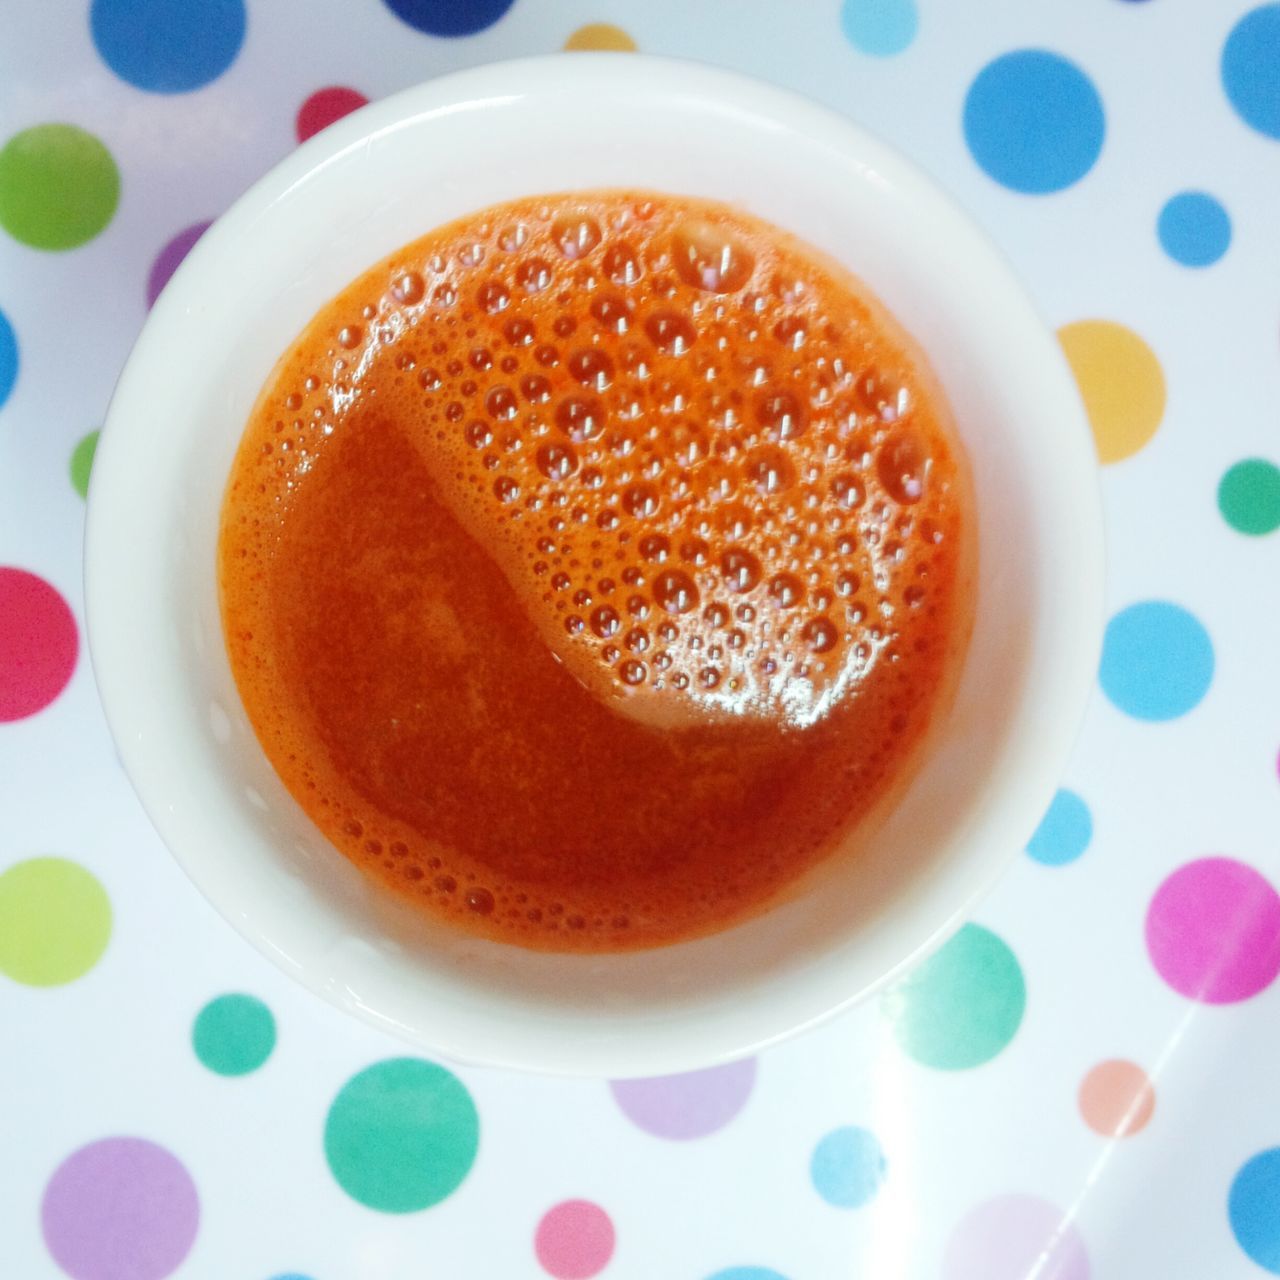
(748, 1273)
(1194, 229)
(1157, 660)
(1253, 1208)
(879, 27)
(8, 357)
(168, 46)
(1034, 121)
(1251, 69)
(291, 1275)
(847, 1167)
(1064, 831)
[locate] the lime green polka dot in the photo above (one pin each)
(401, 1135)
(59, 186)
(961, 1006)
(1249, 496)
(82, 463)
(55, 920)
(234, 1034)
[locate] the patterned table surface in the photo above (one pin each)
(1080, 1084)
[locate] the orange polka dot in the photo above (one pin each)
(1120, 381)
(1117, 1099)
(601, 37)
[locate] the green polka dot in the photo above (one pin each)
(234, 1035)
(82, 463)
(401, 1135)
(55, 920)
(961, 1006)
(59, 186)
(1249, 496)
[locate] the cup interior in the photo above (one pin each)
(386, 176)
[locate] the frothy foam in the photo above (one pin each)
(649, 410)
(714, 474)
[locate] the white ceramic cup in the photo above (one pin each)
(384, 177)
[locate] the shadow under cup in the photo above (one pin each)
(386, 176)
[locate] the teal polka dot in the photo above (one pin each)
(1194, 229)
(1064, 831)
(847, 1167)
(748, 1273)
(1249, 497)
(1034, 121)
(879, 27)
(1251, 69)
(401, 1135)
(234, 1034)
(1157, 661)
(1253, 1209)
(962, 1006)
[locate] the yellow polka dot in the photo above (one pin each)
(601, 36)
(55, 921)
(1121, 383)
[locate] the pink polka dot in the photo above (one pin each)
(1213, 931)
(39, 643)
(574, 1240)
(1015, 1238)
(325, 106)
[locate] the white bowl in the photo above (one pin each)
(385, 176)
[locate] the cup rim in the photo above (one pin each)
(108, 630)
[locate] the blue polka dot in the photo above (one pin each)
(1064, 831)
(847, 1167)
(8, 357)
(1251, 69)
(748, 1273)
(1034, 121)
(1253, 1207)
(168, 46)
(1194, 229)
(1157, 661)
(449, 17)
(879, 27)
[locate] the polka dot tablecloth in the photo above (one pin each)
(1080, 1085)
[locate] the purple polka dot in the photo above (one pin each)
(170, 258)
(120, 1209)
(1213, 931)
(1014, 1238)
(690, 1105)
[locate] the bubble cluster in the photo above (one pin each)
(685, 444)
(581, 455)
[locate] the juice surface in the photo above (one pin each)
(592, 565)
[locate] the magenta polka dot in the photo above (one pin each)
(574, 1240)
(120, 1209)
(1015, 1238)
(1213, 931)
(39, 643)
(169, 259)
(691, 1105)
